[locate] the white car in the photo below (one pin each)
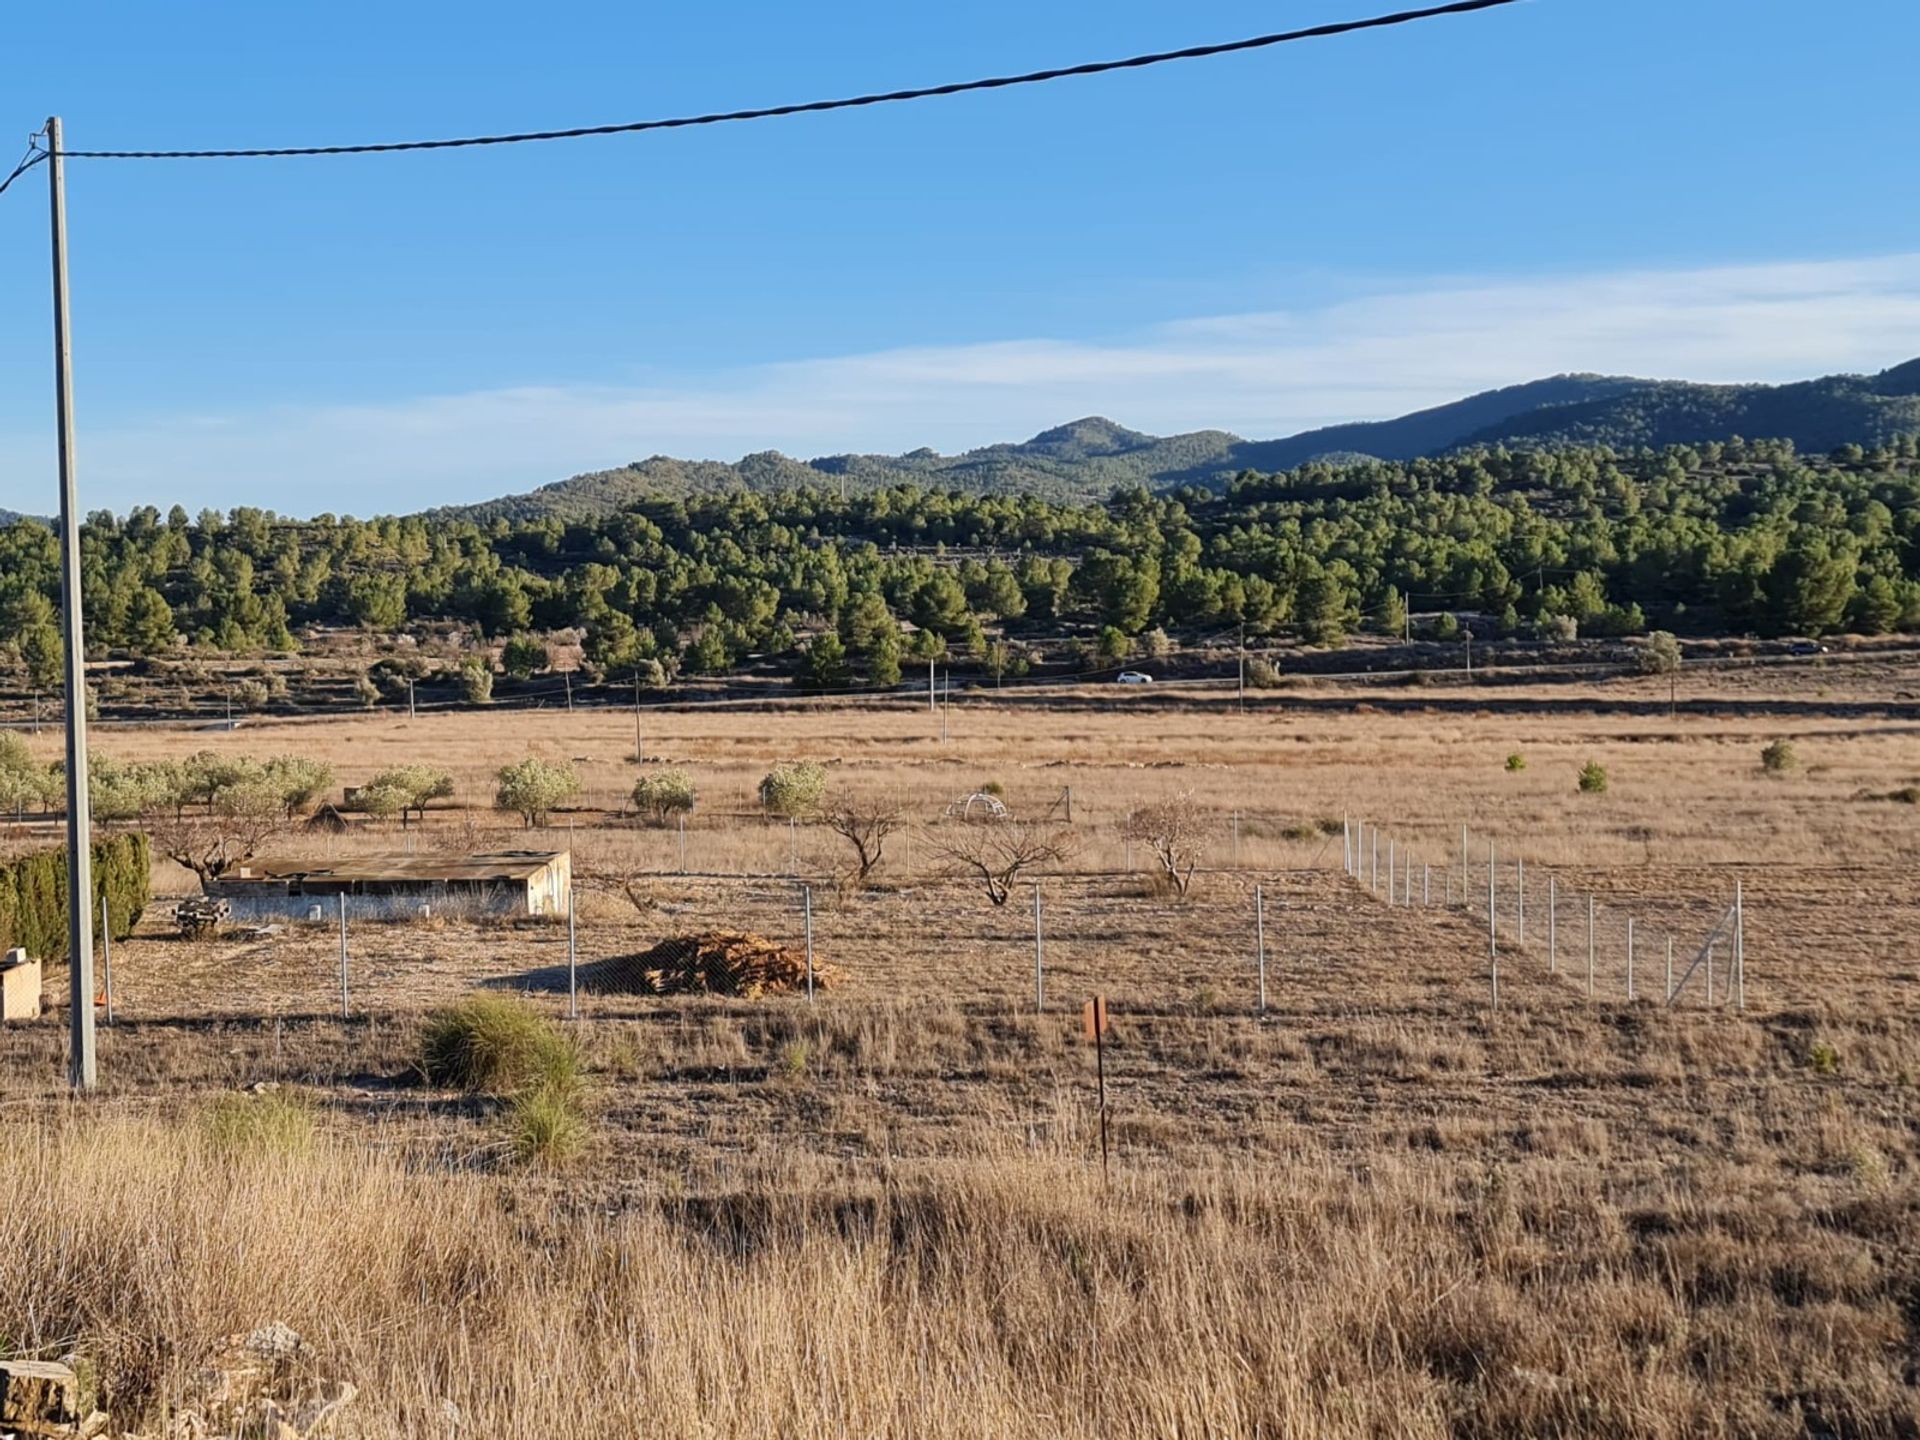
(1133, 677)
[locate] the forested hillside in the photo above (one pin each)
(1716, 539)
(1091, 458)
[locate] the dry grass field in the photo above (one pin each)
(1379, 1208)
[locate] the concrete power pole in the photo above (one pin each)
(81, 1073)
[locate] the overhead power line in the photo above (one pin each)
(33, 158)
(813, 107)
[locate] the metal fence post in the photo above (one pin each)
(1260, 942)
(343, 954)
(1589, 947)
(1426, 887)
(1520, 873)
(1346, 843)
(1669, 970)
(1373, 881)
(1493, 948)
(806, 900)
(1629, 957)
(1466, 899)
(1390, 879)
(683, 844)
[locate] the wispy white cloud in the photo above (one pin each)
(1261, 374)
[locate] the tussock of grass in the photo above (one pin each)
(547, 1127)
(277, 1122)
(489, 1044)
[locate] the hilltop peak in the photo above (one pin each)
(1093, 435)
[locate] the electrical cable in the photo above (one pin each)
(813, 107)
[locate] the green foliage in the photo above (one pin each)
(33, 894)
(1660, 655)
(523, 656)
(546, 1126)
(405, 790)
(476, 684)
(534, 788)
(494, 1044)
(1778, 757)
(1593, 778)
(1734, 537)
(825, 666)
(273, 1122)
(660, 795)
(25, 783)
(1823, 1058)
(1516, 762)
(793, 789)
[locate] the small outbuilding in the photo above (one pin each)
(504, 882)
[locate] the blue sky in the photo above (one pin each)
(1714, 189)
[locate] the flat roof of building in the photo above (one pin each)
(364, 869)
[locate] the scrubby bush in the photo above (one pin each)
(1779, 757)
(546, 1127)
(1593, 778)
(1658, 655)
(793, 789)
(1262, 673)
(476, 684)
(1516, 762)
(494, 1045)
(534, 788)
(660, 795)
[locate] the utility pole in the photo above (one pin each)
(81, 1072)
(1243, 666)
(1469, 652)
(639, 752)
(932, 704)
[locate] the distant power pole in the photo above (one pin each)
(81, 1071)
(1243, 665)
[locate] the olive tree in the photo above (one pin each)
(662, 794)
(793, 789)
(534, 788)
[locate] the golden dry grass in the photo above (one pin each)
(1375, 1210)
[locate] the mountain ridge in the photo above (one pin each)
(1089, 457)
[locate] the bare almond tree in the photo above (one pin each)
(866, 829)
(213, 842)
(997, 853)
(1175, 830)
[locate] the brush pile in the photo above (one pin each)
(715, 962)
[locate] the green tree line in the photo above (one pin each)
(1735, 537)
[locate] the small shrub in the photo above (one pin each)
(1516, 761)
(476, 684)
(994, 788)
(793, 789)
(1779, 757)
(1593, 778)
(1823, 1058)
(662, 794)
(794, 1058)
(492, 1044)
(275, 1122)
(546, 1126)
(1262, 673)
